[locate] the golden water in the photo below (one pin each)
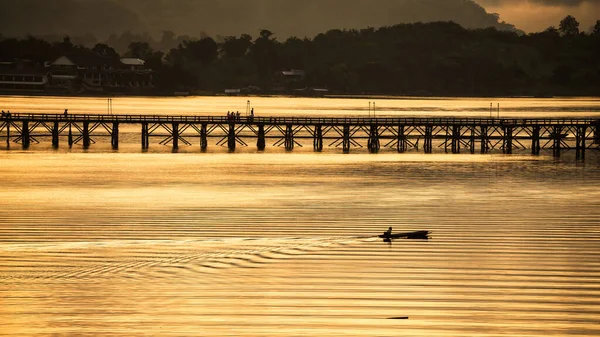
(281, 244)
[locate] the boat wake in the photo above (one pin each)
(159, 258)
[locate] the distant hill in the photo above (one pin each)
(229, 17)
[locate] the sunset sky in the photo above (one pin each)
(537, 15)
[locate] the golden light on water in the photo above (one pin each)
(124, 243)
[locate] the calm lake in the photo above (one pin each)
(124, 243)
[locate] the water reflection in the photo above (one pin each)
(263, 244)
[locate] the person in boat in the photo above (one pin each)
(388, 232)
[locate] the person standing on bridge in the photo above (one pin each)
(66, 112)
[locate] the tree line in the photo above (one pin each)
(438, 58)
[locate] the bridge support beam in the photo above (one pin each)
(145, 136)
(175, 135)
(203, 137)
(401, 139)
(580, 140)
(346, 139)
(114, 136)
(70, 136)
(55, 135)
(289, 137)
(456, 139)
(428, 145)
(472, 141)
(260, 142)
(231, 137)
(7, 133)
(86, 134)
(485, 142)
(507, 139)
(535, 140)
(557, 136)
(373, 143)
(318, 139)
(25, 134)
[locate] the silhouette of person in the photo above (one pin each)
(66, 111)
(237, 116)
(388, 232)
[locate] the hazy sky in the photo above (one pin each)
(537, 15)
(284, 17)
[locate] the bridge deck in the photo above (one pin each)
(401, 133)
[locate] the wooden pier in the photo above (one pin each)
(455, 135)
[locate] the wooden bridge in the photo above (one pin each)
(454, 135)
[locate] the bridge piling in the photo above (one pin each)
(114, 136)
(175, 135)
(260, 142)
(484, 139)
(289, 137)
(456, 139)
(580, 142)
(507, 138)
(55, 129)
(231, 137)
(557, 137)
(318, 138)
(145, 136)
(428, 143)
(86, 134)
(25, 134)
(346, 139)
(203, 137)
(401, 139)
(535, 140)
(8, 133)
(472, 140)
(373, 142)
(70, 136)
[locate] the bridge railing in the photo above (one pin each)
(419, 121)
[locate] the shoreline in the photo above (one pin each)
(331, 96)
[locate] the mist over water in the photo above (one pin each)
(277, 244)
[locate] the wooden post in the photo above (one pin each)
(175, 135)
(86, 134)
(428, 144)
(318, 138)
(25, 134)
(401, 139)
(346, 139)
(557, 140)
(55, 134)
(114, 137)
(289, 137)
(145, 136)
(507, 139)
(484, 139)
(70, 137)
(8, 133)
(580, 139)
(456, 139)
(373, 143)
(203, 137)
(535, 140)
(260, 142)
(231, 137)
(472, 143)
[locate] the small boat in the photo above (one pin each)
(418, 235)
